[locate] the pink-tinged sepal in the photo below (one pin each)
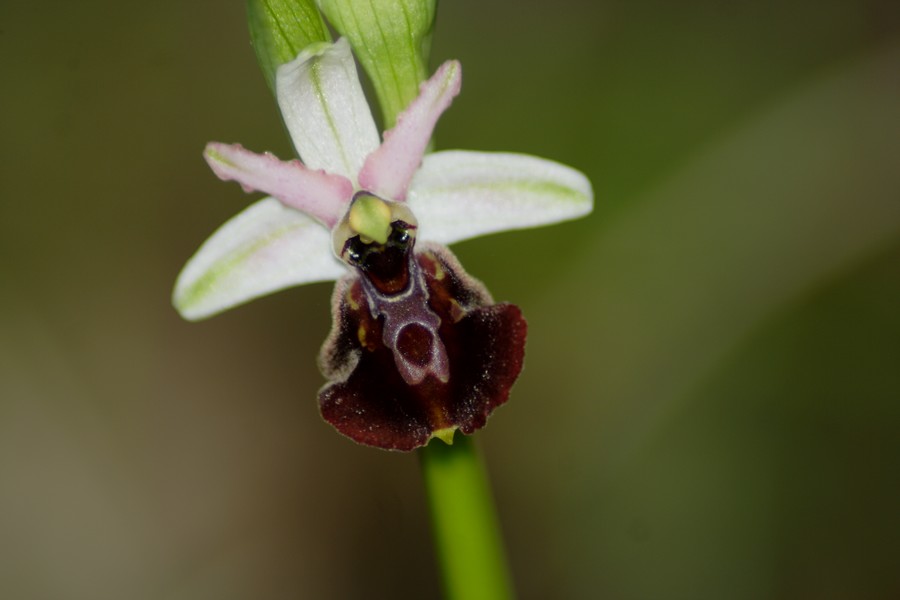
(389, 169)
(323, 196)
(372, 401)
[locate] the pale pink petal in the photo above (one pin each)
(321, 195)
(389, 169)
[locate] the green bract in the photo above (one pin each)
(280, 29)
(391, 39)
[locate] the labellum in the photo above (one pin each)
(418, 349)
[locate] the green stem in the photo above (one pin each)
(467, 536)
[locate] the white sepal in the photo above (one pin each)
(458, 194)
(265, 248)
(325, 110)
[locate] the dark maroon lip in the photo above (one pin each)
(417, 346)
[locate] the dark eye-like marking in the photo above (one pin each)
(352, 251)
(373, 225)
(386, 265)
(358, 252)
(400, 234)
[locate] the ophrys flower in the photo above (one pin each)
(418, 348)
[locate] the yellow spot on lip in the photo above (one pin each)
(445, 434)
(352, 301)
(456, 311)
(361, 334)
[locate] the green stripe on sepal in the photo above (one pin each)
(281, 29)
(265, 248)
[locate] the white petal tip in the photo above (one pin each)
(451, 74)
(341, 46)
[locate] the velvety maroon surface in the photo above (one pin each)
(368, 400)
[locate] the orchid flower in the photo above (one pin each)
(418, 348)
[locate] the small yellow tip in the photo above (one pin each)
(370, 217)
(445, 435)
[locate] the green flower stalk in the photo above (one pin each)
(466, 529)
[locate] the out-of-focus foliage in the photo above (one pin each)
(710, 401)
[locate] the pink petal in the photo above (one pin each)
(389, 169)
(321, 195)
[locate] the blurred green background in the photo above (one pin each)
(710, 405)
